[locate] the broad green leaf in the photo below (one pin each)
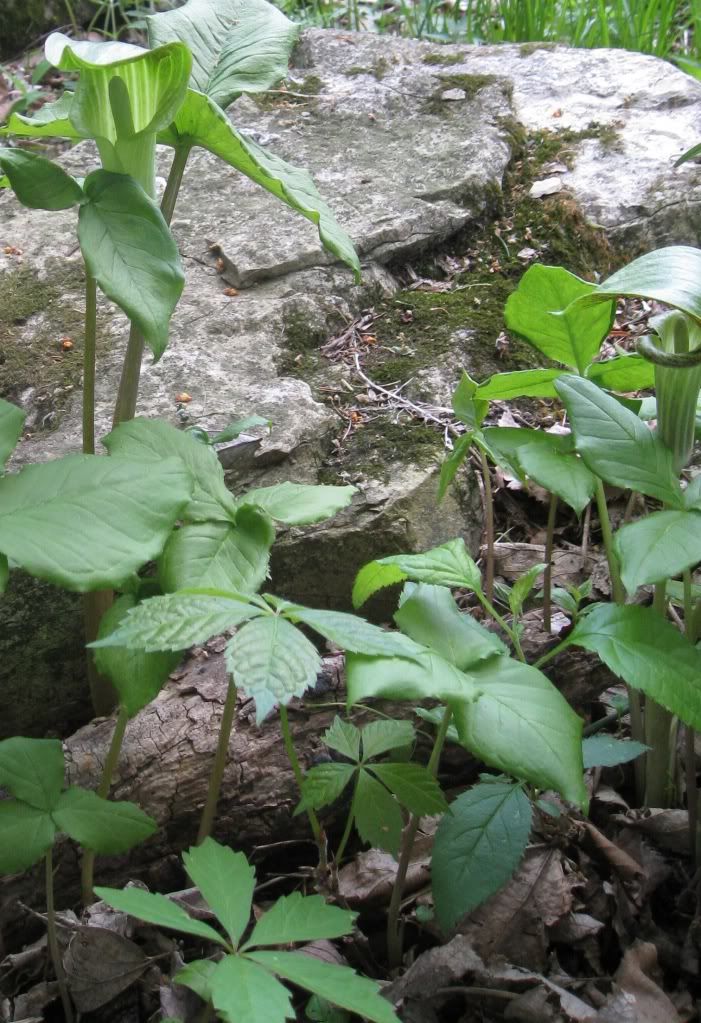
(39, 183)
(615, 444)
(521, 589)
(226, 881)
(320, 1010)
(452, 463)
(4, 573)
(469, 411)
(430, 616)
(605, 751)
(197, 976)
(298, 917)
(563, 474)
(26, 832)
(155, 82)
(272, 662)
(352, 633)
(572, 338)
(219, 555)
(235, 429)
(105, 827)
(245, 992)
(136, 675)
(413, 785)
(522, 725)
(623, 373)
(200, 122)
(383, 735)
(344, 737)
(447, 565)
(88, 523)
(154, 439)
(339, 984)
(297, 504)
(51, 120)
(174, 622)
(522, 383)
(129, 250)
(378, 817)
(32, 770)
(237, 45)
(658, 546)
(478, 847)
(428, 677)
(11, 423)
(671, 275)
(504, 442)
(158, 910)
(648, 652)
(323, 784)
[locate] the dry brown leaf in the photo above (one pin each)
(622, 863)
(368, 880)
(99, 965)
(638, 999)
(669, 829)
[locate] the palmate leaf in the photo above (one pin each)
(430, 616)
(136, 675)
(378, 817)
(428, 677)
(129, 250)
(447, 565)
(381, 736)
(606, 751)
(219, 555)
(244, 992)
(298, 504)
(155, 82)
(89, 523)
(648, 652)
(51, 120)
(32, 770)
(344, 737)
(323, 784)
(522, 725)
(11, 424)
(522, 383)
(413, 785)
(158, 910)
(478, 847)
(272, 662)
(237, 45)
(572, 338)
(200, 122)
(101, 825)
(300, 917)
(615, 444)
(562, 473)
(153, 439)
(39, 183)
(27, 833)
(671, 275)
(339, 984)
(197, 976)
(660, 545)
(175, 621)
(623, 373)
(226, 881)
(352, 633)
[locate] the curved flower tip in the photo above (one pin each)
(73, 55)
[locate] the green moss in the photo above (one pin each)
(471, 85)
(526, 49)
(373, 450)
(299, 92)
(443, 58)
(379, 69)
(300, 352)
(32, 356)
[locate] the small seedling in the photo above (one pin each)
(242, 983)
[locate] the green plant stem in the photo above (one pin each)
(394, 931)
(317, 830)
(511, 633)
(52, 938)
(89, 364)
(348, 828)
(488, 525)
(548, 573)
(71, 16)
(102, 693)
(220, 758)
(125, 406)
(88, 867)
(692, 795)
(659, 780)
(619, 595)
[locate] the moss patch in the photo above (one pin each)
(526, 49)
(443, 58)
(375, 448)
(296, 94)
(471, 85)
(378, 70)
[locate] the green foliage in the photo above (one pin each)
(39, 808)
(243, 985)
(379, 789)
(605, 751)
(478, 846)
(447, 565)
(658, 546)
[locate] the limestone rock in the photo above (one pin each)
(409, 143)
